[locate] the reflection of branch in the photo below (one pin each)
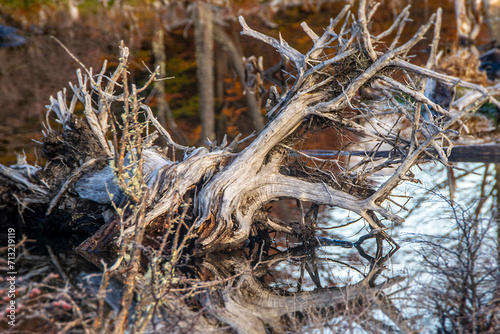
(163, 132)
(253, 302)
(347, 244)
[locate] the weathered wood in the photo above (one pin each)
(204, 48)
(254, 305)
(222, 192)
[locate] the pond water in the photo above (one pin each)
(252, 286)
(432, 222)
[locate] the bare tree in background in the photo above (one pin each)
(204, 49)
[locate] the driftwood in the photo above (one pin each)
(226, 188)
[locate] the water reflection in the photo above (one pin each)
(285, 290)
(451, 226)
(429, 207)
(347, 279)
(357, 281)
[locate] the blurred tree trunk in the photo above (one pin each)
(469, 19)
(117, 5)
(497, 211)
(164, 112)
(492, 9)
(204, 49)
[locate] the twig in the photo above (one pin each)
(163, 132)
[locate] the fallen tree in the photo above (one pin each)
(231, 188)
(105, 164)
